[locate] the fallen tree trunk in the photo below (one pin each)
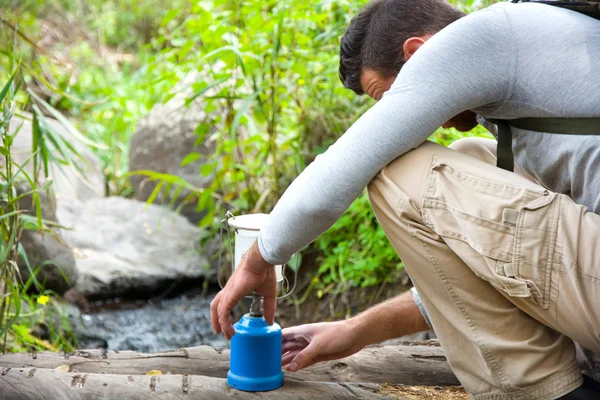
(408, 365)
(46, 384)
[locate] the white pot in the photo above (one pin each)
(247, 228)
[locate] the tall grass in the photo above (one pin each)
(26, 303)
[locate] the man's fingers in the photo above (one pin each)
(214, 315)
(224, 309)
(291, 346)
(296, 332)
(321, 358)
(305, 357)
(269, 306)
(287, 358)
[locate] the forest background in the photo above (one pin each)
(265, 72)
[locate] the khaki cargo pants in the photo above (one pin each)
(508, 271)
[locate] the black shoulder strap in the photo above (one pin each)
(564, 126)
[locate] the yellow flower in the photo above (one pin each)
(301, 81)
(43, 299)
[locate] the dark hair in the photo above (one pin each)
(377, 34)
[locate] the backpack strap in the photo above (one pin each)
(563, 126)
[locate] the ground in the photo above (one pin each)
(424, 392)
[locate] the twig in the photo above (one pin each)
(33, 44)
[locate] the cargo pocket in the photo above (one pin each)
(512, 226)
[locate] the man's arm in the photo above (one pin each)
(309, 344)
(453, 72)
(393, 318)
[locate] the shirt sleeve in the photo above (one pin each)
(467, 65)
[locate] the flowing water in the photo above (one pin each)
(151, 325)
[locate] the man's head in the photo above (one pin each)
(383, 36)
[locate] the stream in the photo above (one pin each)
(151, 325)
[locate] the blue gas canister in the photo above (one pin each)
(255, 357)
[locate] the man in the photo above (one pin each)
(506, 264)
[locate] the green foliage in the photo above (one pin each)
(271, 67)
(362, 258)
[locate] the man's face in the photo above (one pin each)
(375, 85)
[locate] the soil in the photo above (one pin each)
(424, 392)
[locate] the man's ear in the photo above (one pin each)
(411, 45)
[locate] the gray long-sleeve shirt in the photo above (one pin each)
(507, 61)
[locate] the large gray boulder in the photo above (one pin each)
(164, 137)
(125, 247)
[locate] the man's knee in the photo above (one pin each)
(382, 193)
(401, 183)
(480, 148)
(407, 174)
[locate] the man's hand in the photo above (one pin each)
(306, 345)
(253, 274)
(309, 344)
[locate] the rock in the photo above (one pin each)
(67, 183)
(46, 252)
(124, 247)
(55, 261)
(162, 140)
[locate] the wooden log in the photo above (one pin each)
(47, 384)
(408, 365)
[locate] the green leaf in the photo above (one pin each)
(38, 210)
(153, 175)
(6, 87)
(169, 16)
(155, 193)
(7, 215)
(201, 131)
(203, 198)
(207, 220)
(240, 56)
(185, 49)
(205, 89)
(295, 262)
(65, 122)
(190, 158)
(207, 169)
(240, 113)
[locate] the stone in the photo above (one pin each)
(53, 261)
(66, 182)
(47, 254)
(164, 138)
(124, 247)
